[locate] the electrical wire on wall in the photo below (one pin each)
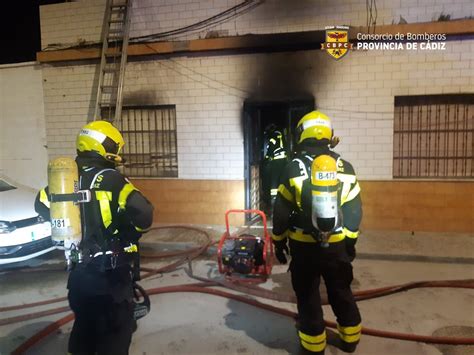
(371, 115)
(244, 94)
(248, 93)
(220, 18)
(198, 27)
(372, 13)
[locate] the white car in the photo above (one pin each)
(23, 233)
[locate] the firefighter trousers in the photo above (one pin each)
(103, 308)
(101, 326)
(272, 170)
(309, 263)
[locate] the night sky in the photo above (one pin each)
(20, 30)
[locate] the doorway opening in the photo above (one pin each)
(260, 117)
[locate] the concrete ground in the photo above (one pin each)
(185, 323)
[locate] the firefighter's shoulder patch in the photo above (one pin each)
(340, 165)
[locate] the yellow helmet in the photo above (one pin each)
(314, 125)
(101, 137)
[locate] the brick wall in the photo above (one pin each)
(357, 91)
(68, 100)
(428, 206)
(70, 22)
(208, 91)
(193, 201)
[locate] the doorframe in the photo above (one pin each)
(249, 108)
(247, 137)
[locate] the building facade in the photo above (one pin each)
(210, 94)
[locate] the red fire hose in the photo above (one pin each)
(202, 287)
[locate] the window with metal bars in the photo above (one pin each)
(433, 136)
(150, 141)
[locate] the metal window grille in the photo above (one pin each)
(433, 136)
(150, 141)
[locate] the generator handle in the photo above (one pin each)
(260, 213)
(219, 252)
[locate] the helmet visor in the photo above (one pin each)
(111, 146)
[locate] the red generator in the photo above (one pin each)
(243, 256)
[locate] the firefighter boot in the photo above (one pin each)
(348, 347)
(303, 351)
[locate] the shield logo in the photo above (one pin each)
(337, 42)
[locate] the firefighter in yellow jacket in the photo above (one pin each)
(317, 214)
(101, 283)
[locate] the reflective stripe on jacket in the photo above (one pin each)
(295, 190)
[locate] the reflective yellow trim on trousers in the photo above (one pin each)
(350, 234)
(124, 193)
(350, 334)
(44, 198)
(351, 195)
(273, 192)
(285, 193)
(313, 343)
(282, 236)
(307, 238)
(132, 248)
(138, 229)
(104, 198)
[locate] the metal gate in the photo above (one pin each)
(433, 136)
(150, 140)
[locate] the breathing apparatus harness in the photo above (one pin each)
(325, 212)
(105, 251)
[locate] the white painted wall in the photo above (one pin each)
(70, 22)
(23, 153)
(357, 91)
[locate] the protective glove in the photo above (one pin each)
(280, 250)
(350, 248)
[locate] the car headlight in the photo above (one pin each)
(6, 227)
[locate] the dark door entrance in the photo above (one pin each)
(258, 115)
